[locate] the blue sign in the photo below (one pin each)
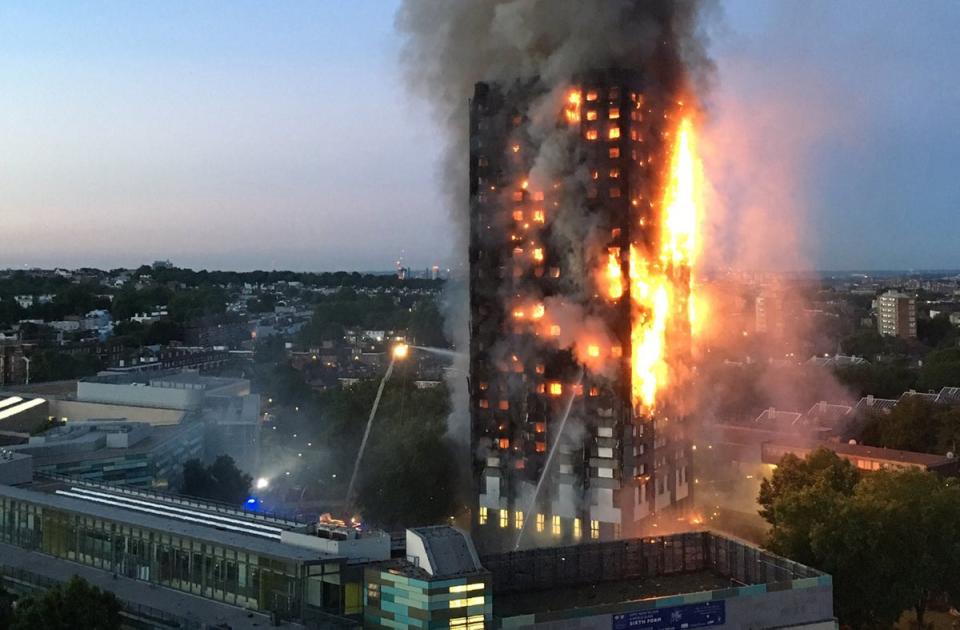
(674, 617)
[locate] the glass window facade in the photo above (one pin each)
(218, 572)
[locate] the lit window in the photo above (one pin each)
(595, 530)
(538, 216)
(554, 272)
(541, 521)
(484, 403)
(614, 173)
(595, 174)
(555, 525)
(616, 351)
(592, 95)
(554, 330)
(614, 152)
(539, 368)
(577, 531)
(483, 516)
(483, 386)
(594, 391)
(470, 601)
(463, 588)
(614, 133)
(504, 444)
(518, 215)
(518, 195)
(538, 196)
(518, 521)
(614, 113)
(556, 389)
(504, 405)
(538, 254)
(541, 447)
(504, 518)
(634, 135)
(592, 114)
(616, 531)
(592, 134)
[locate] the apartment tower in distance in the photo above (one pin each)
(573, 300)
(897, 315)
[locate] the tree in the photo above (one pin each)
(914, 424)
(221, 481)
(890, 539)
(798, 494)
(940, 369)
(74, 606)
(893, 546)
(937, 331)
(6, 608)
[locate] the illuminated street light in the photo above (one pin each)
(400, 351)
(263, 483)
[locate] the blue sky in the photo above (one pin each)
(278, 135)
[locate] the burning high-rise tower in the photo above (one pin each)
(583, 217)
(581, 239)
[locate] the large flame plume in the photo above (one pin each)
(662, 288)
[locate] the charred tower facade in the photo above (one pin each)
(579, 311)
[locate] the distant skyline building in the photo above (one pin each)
(897, 315)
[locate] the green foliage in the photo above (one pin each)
(74, 606)
(221, 481)
(130, 301)
(6, 608)
(426, 325)
(937, 332)
(53, 365)
(799, 492)
(204, 301)
(864, 343)
(914, 424)
(879, 379)
(940, 369)
(890, 539)
(270, 350)
(408, 473)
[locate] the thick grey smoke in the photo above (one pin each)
(450, 45)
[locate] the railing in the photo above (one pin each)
(175, 499)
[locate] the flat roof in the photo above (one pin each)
(158, 435)
(621, 591)
(162, 524)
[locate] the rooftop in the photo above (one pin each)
(192, 519)
(553, 584)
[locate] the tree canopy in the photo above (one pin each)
(221, 481)
(76, 605)
(890, 539)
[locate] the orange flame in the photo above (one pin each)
(572, 110)
(614, 274)
(662, 288)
